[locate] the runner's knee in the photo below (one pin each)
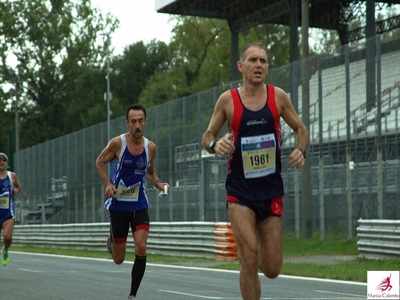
(118, 259)
(270, 271)
(140, 249)
(249, 258)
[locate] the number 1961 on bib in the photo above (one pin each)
(258, 155)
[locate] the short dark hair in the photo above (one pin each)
(136, 106)
(255, 44)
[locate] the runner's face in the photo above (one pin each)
(3, 163)
(136, 123)
(255, 65)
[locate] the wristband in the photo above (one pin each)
(157, 182)
(302, 151)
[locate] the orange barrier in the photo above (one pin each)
(225, 243)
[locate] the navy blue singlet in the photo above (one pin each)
(7, 204)
(254, 169)
(128, 175)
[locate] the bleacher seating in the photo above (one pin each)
(334, 101)
(53, 205)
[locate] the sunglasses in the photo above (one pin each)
(3, 159)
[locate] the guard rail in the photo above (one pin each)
(200, 239)
(379, 239)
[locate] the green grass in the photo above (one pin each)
(334, 244)
(351, 271)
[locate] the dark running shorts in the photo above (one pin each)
(262, 208)
(121, 220)
(5, 214)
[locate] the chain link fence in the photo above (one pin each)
(354, 151)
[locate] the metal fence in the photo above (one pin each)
(354, 151)
(379, 239)
(201, 239)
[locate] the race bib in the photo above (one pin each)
(128, 193)
(4, 202)
(258, 154)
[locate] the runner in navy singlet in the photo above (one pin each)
(132, 162)
(9, 188)
(254, 168)
(254, 184)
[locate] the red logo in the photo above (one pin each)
(385, 284)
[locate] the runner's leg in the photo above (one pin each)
(270, 240)
(8, 227)
(243, 221)
(119, 222)
(139, 266)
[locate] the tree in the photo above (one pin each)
(201, 57)
(129, 74)
(195, 42)
(7, 128)
(54, 43)
(87, 104)
(137, 66)
(276, 39)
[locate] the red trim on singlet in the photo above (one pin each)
(275, 113)
(272, 103)
(238, 109)
(236, 117)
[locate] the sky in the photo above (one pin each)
(139, 21)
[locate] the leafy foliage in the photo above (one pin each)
(52, 43)
(136, 69)
(57, 55)
(195, 51)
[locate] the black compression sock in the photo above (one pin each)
(137, 273)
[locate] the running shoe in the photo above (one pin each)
(131, 297)
(5, 257)
(109, 248)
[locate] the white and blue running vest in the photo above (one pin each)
(7, 204)
(128, 174)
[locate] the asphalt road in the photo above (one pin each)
(41, 276)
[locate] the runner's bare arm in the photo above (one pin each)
(290, 116)
(151, 171)
(109, 153)
(220, 115)
(16, 183)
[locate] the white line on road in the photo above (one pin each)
(345, 294)
(193, 295)
(29, 270)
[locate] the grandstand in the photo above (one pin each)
(334, 88)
